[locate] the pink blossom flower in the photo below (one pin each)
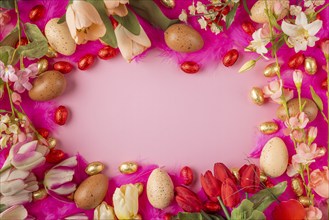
(7, 73)
(14, 212)
(313, 213)
(26, 155)
(319, 182)
(59, 178)
(17, 99)
(305, 154)
(298, 135)
(24, 76)
(298, 78)
(4, 18)
(312, 133)
(293, 168)
(297, 122)
(325, 48)
(275, 91)
(265, 32)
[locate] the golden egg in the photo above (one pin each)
(297, 186)
(94, 168)
(39, 194)
(257, 96)
(305, 201)
(310, 65)
(128, 167)
(271, 70)
(51, 53)
(52, 142)
(140, 187)
(168, 3)
(269, 127)
(235, 172)
(42, 65)
(263, 176)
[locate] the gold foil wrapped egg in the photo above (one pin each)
(263, 177)
(235, 172)
(310, 65)
(257, 96)
(94, 168)
(140, 187)
(305, 201)
(42, 65)
(51, 53)
(128, 167)
(268, 127)
(297, 186)
(271, 70)
(168, 3)
(39, 194)
(52, 142)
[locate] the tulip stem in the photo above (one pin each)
(224, 208)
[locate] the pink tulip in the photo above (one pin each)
(319, 182)
(116, 7)
(313, 213)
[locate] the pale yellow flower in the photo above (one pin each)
(125, 201)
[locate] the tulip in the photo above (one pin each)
(319, 182)
(287, 210)
(187, 199)
(249, 178)
(104, 211)
(84, 22)
(125, 201)
(230, 193)
(79, 216)
(26, 155)
(131, 45)
(221, 172)
(14, 212)
(211, 185)
(116, 7)
(59, 178)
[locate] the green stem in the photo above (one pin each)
(321, 9)
(18, 24)
(227, 214)
(10, 100)
(299, 99)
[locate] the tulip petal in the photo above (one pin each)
(141, 39)
(28, 147)
(290, 29)
(95, 31)
(12, 187)
(86, 14)
(121, 10)
(70, 15)
(16, 199)
(124, 43)
(14, 212)
(65, 189)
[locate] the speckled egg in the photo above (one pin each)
(310, 109)
(47, 86)
(59, 37)
(183, 38)
(258, 14)
(91, 192)
(160, 189)
(274, 157)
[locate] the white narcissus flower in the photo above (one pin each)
(116, 7)
(183, 16)
(259, 43)
(84, 22)
(104, 211)
(131, 45)
(203, 23)
(301, 34)
(295, 10)
(125, 201)
(15, 212)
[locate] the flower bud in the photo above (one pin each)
(298, 78)
(250, 178)
(230, 193)
(221, 172)
(312, 133)
(247, 66)
(325, 48)
(187, 199)
(210, 185)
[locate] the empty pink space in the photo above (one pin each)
(152, 112)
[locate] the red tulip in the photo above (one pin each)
(210, 185)
(230, 193)
(250, 178)
(287, 210)
(221, 172)
(187, 199)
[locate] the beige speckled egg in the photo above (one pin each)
(160, 189)
(310, 109)
(91, 192)
(59, 37)
(258, 14)
(47, 86)
(183, 38)
(274, 157)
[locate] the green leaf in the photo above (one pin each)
(62, 19)
(11, 39)
(8, 4)
(150, 11)
(6, 55)
(245, 6)
(38, 45)
(2, 207)
(109, 37)
(189, 216)
(265, 197)
(243, 211)
(257, 215)
(130, 22)
(230, 16)
(316, 98)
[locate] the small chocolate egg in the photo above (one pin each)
(39, 194)
(47, 86)
(257, 96)
(183, 38)
(271, 70)
(91, 192)
(168, 3)
(160, 189)
(140, 187)
(259, 15)
(297, 186)
(262, 177)
(51, 53)
(128, 167)
(305, 201)
(310, 109)
(310, 65)
(269, 127)
(274, 157)
(59, 37)
(42, 65)
(94, 168)
(52, 142)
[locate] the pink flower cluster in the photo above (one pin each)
(276, 92)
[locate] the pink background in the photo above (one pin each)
(152, 112)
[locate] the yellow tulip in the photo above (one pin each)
(125, 201)
(104, 211)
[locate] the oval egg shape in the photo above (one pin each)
(160, 189)
(258, 14)
(274, 157)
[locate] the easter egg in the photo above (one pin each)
(258, 14)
